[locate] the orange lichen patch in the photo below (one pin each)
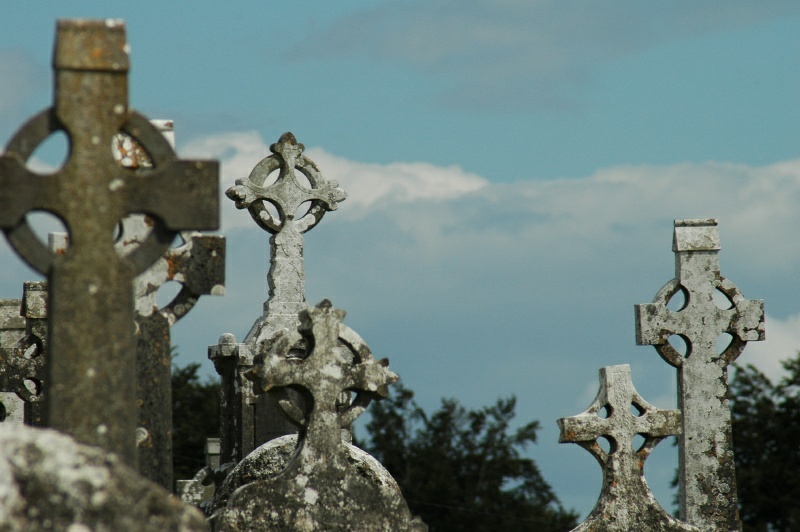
(173, 265)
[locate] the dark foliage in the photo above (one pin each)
(462, 469)
(766, 440)
(195, 417)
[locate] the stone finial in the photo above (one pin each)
(319, 489)
(91, 284)
(707, 480)
(617, 414)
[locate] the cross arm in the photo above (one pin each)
(179, 183)
(22, 191)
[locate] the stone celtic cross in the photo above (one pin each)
(199, 266)
(320, 489)
(626, 502)
(286, 277)
(250, 421)
(707, 480)
(91, 364)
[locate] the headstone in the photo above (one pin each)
(248, 421)
(201, 487)
(199, 266)
(12, 336)
(23, 349)
(618, 414)
(91, 364)
(320, 489)
(707, 480)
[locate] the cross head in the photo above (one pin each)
(324, 374)
(707, 481)
(22, 362)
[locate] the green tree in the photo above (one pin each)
(195, 417)
(766, 440)
(463, 469)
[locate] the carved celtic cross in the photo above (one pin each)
(91, 366)
(618, 414)
(286, 277)
(707, 478)
(250, 421)
(320, 488)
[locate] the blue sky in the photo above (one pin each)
(513, 167)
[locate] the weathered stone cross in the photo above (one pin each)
(707, 478)
(91, 365)
(199, 266)
(286, 277)
(320, 489)
(250, 421)
(626, 502)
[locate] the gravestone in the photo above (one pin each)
(201, 487)
(199, 266)
(92, 356)
(618, 414)
(707, 479)
(320, 488)
(12, 336)
(23, 349)
(248, 421)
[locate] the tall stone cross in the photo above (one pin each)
(249, 421)
(198, 265)
(707, 480)
(92, 362)
(619, 413)
(320, 489)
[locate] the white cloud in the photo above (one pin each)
(782, 342)
(368, 185)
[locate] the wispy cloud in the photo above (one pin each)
(369, 186)
(782, 343)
